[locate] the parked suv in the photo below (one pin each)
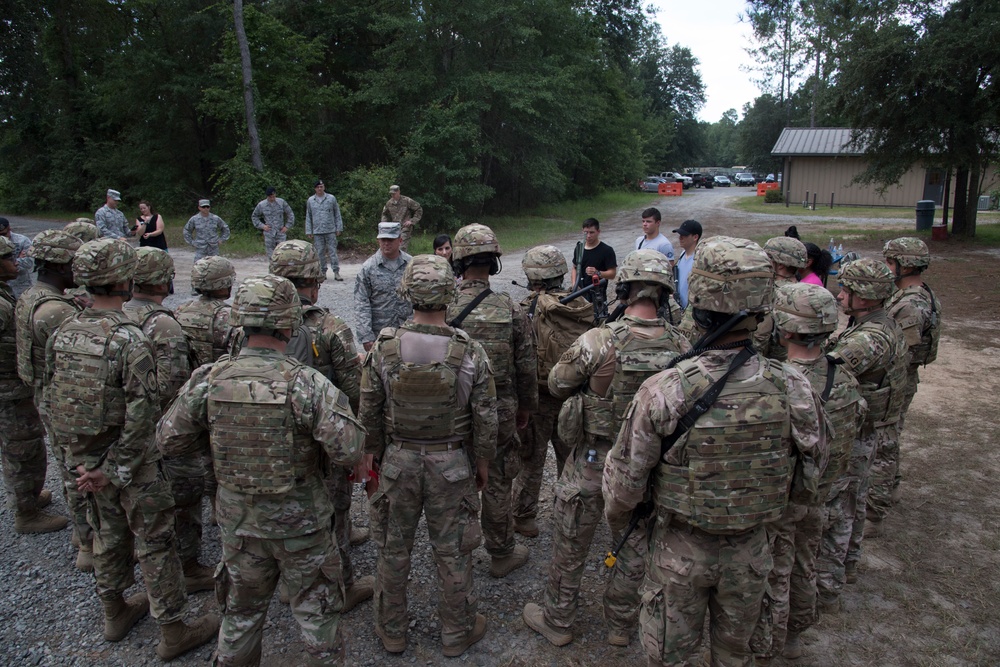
(700, 180)
(744, 178)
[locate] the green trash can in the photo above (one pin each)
(925, 214)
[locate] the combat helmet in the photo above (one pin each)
(6, 247)
(104, 262)
(804, 309)
(266, 303)
(212, 273)
(154, 266)
(647, 266)
(907, 252)
(473, 240)
(730, 275)
(85, 230)
(544, 262)
(787, 251)
(868, 279)
(428, 282)
(296, 259)
(54, 246)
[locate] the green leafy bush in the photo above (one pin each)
(773, 197)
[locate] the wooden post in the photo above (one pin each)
(831, 200)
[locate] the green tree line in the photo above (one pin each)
(474, 107)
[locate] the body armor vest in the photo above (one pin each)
(841, 408)
(413, 410)
(924, 352)
(197, 318)
(11, 386)
(636, 359)
(313, 318)
(84, 398)
(31, 357)
(254, 446)
(492, 326)
(882, 385)
(143, 313)
(557, 326)
(738, 466)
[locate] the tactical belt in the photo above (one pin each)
(430, 449)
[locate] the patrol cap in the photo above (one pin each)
(114, 194)
(393, 188)
(207, 203)
(389, 230)
(4, 223)
(689, 227)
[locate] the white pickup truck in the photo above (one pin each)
(685, 181)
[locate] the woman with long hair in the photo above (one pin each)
(818, 262)
(149, 227)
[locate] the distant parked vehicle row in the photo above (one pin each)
(700, 180)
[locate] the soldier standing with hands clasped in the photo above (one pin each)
(274, 217)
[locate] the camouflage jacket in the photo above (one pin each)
(917, 311)
(480, 394)
(205, 322)
(12, 388)
(323, 215)
(277, 214)
(170, 345)
(25, 264)
(118, 450)
(523, 381)
(39, 313)
(325, 342)
(205, 230)
(111, 223)
(763, 341)
(661, 402)
(320, 416)
(402, 210)
(376, 297)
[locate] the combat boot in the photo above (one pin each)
(874, 529)
(894, 497)
(478, 632)
(359, 535)
(44, 499)
(793, 647)
(198, 577)
(851, 572)
(534, 618)
(38, 522)
(501, 566)
(828, 605)
(178, 638)
(526, 526)
(85, 557)
(336, 276)
(358, 592)
(120, 615)
(391, 644)
(617, 638)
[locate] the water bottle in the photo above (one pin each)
(832, 247)
(840, 250)
(592, 456)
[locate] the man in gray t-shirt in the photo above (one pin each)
(651, 238)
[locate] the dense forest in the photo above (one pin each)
(476, 107)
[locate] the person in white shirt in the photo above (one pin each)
(688, 236)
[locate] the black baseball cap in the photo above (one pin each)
(4, 223)
(689, 227)
(270, 190)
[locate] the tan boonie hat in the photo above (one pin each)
(393, 188)
(389, 230)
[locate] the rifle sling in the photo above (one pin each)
(457, 322)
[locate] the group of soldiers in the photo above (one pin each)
(734, 482)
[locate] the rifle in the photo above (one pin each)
(578, 261)
(600, 302)
(684, 424)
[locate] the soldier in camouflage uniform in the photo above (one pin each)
(101, 373)
(804, 317)
(109, 220)
(918, 312)
(873, 349)
(787, 255)
(376, 300)
(555, 326)
(403, 210)
(502, 328)
(604, 367)
(21, 433)
(268, 419)
(718, 484)
(205, 231)
(426, 391)
(274, 217)
(323, 225)
(85, 230)
(325, 342)
(38, 313)
(22, 258)
(154, 274)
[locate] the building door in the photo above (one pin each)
(934, 185)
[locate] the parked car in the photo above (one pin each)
(744, 179)
(700, 180)
(685, 181)
(722, 181)
(651, 183)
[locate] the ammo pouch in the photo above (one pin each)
(569, 425)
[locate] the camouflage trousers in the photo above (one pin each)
(862, 457)
(690, 573)
(884, 468)
(441, 485)
(142, 514)
(790, 600)
(22, 446)
(187, 484)
(271, 241)
(838, 522)
(244, 585)
(579, 510)
(912, 382)
(405, 234)
(535, 441)
(326, 248)
(75, 501)
(338, 487)
(203, 250)
(497, 518)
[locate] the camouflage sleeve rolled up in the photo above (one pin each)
(810, 433)
(173, 354)
(183, 430)
(525, 360)
(483, 399)
(372, 406)
(578, 363)
(321, 409)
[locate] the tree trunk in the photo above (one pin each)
(972, 202)
(241, 39)
(961, 188)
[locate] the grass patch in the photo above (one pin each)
(757, 205)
